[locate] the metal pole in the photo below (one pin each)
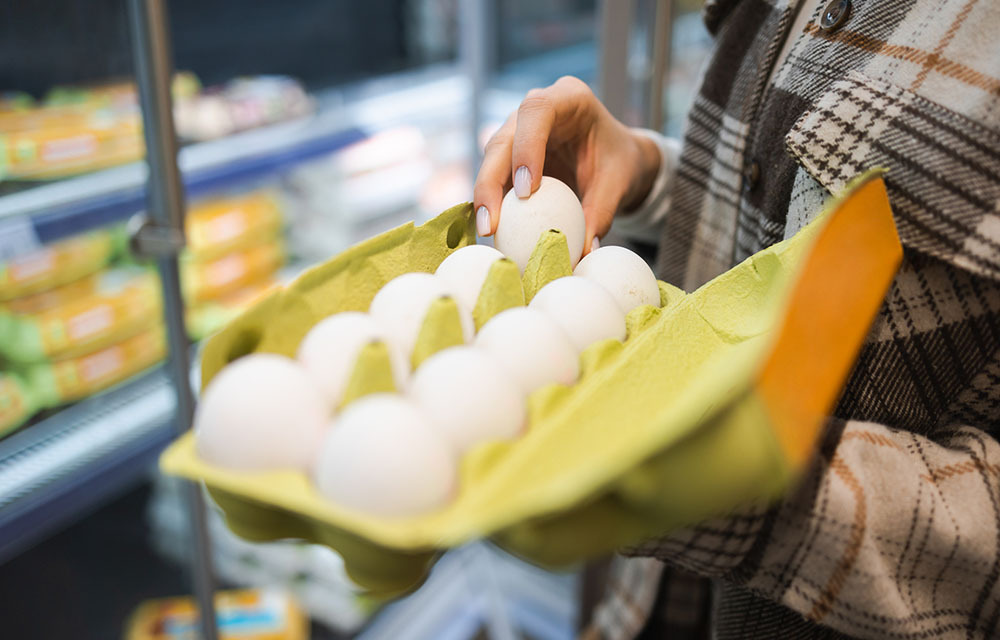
(164, 238)
(476, 52)
(660, 52)
(616, 24)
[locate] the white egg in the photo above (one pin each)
(382, 457)
(465, 271)
(531, 346)
(401, 305)
(623, 274)
(469, 396)
(260, 412)
(330, 350)
(523, 220)
(583, 309)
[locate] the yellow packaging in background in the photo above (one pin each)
(80, 317)
(242, 615)
(56, 264)
(219, 226)
(16, 403)
(75, 130)
(74, 378)
(213, 279)
(70, 146)
(208, 317)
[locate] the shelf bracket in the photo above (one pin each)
(148, 239)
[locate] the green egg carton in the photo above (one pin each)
(714, 399)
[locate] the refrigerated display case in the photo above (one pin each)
(402, 92)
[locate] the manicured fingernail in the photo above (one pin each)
(483, 221)
(522, 182)
(596, 244)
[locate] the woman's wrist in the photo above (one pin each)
(648, 160)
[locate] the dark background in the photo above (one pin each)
(322, 42)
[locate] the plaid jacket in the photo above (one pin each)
(895, 531)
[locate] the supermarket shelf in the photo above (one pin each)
(346, 115)
(60, 468)
(60, 209)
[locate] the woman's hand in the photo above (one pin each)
(564, 131)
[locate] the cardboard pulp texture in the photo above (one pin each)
(713, 400)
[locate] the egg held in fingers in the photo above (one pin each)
(523, 220)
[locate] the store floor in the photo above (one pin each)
(84, 582)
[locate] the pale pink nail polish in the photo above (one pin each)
(522, 182)
(483, 221)
(596, 244)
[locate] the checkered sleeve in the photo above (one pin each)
(891, 535)
(895, 529)
(893, 532)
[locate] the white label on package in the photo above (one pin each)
(102, 364)
(90, 322)
(17, 237)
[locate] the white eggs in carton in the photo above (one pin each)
(402, 304)
(465, 271)
(382, 456)
(260, 412)
(330, 350)
(531, 347)
(468, 396)
(623, 274)
(581, 308)
(397, 454)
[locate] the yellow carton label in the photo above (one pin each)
(54, 265)
(223, 225)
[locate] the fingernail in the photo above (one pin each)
(483, 221)
(595, 244)
(522, 182)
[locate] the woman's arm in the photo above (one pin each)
(644, 222)
(891, 534)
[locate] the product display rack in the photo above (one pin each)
(67, 447)
(73, 205)
(52, 211)
(72, 461)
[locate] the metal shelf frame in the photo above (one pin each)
(161, 236)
